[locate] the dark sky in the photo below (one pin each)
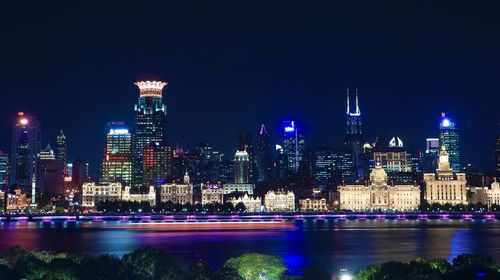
(232, 65)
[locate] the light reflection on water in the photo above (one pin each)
(330, 244)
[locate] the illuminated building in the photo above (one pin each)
(241, 167)
(239, 188)
(157, 164)
(354, 137)
(149, 197)
(25, 147)
(312, 204)
(392, 156)
(93, 193)
(279, 201)
(211, 194)
(293, 147)
(149, 124)
(445, 185)
(497, 151)
(17, 201)
(117, 160)
(4, 171)
(263, 158)
(493, 194)
(252, 204)
(177, 193)
(431, 155)
(50, 173)
(333, 166)
(377, 194)
(448, 136)
(245, 144)
(62, 151)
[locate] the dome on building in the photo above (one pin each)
(378, 176)
(396, 142)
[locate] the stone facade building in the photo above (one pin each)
(177, 193)
(279, 201)
(312, 204)
(377, 194)
(445, 186)
(211, 194)
(252, 204)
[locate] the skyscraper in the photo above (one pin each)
(117, 160)
(25, 147)
(4, 171)
(245, 144)
(241, 167)
(293, 147)
(497, 151)
(61, 151)
(431, 155)
(157, 164)
(263, 158)
(354, 137)
(50, 173)
(449, 137)
(332, 166)
(80, 173)
(150, 124)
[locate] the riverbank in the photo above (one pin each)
(150, 263)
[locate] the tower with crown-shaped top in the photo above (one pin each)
(354, 137)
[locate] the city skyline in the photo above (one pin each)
(253, 79)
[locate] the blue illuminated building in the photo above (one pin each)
(449, 137)
(293, 147)
(354, 137)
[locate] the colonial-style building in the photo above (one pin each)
(493, 194)
(312, 204)
(377, 194)
(177, 193)
(140, 197)
(279, 201)
(445, 186)
(252, 204)
(16, 201)
(93, 193)
(243, 188)
(211, 194)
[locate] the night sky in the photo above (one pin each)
(232, 65)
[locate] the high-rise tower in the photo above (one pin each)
(354, 137)
(497, 151)
(4, 170)
(293, 147)
(61, 151)
(263, 158)
(241, 167)
(117, 160)
(150, 124)
(449, 137)
(25, 147)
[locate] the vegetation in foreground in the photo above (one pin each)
(150, 263)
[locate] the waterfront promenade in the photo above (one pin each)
(261, 217)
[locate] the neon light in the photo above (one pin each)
(23, 121)
(446, 123)
(118, 131)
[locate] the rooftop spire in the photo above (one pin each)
(263, 130)
(358, 112)
(348, 110)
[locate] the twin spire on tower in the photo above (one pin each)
(358, 112)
